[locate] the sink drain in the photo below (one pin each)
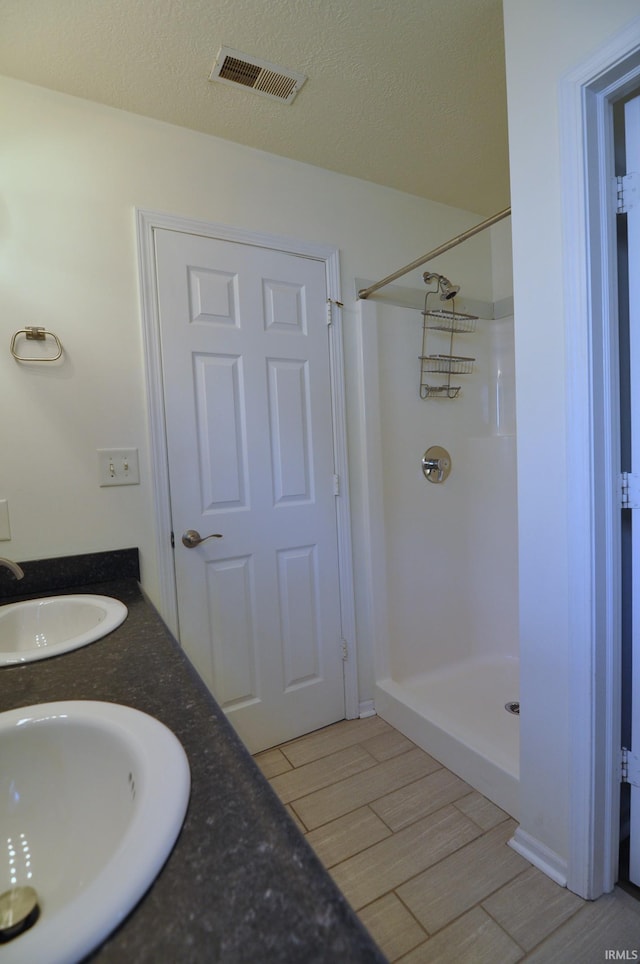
(18, 911)
(513, 706)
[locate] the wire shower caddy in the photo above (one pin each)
(451, 323)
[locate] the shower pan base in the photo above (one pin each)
(457, 715)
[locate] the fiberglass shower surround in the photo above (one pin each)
(444, 585)
(448, 647)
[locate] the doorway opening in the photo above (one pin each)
(588, 96)
(626, 138)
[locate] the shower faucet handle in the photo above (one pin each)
(436, 464)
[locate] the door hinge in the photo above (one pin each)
(629, 490)
(629, 767)
(345, 649)
(627, 192)
(336, 485)
(330, 303)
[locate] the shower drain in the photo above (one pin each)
(513, 706)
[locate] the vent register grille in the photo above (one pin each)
(233, 67)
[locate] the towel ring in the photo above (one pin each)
(33, 333)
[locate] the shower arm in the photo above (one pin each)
(365, 292)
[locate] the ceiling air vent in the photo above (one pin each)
(233, 67)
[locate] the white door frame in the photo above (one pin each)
(590, 277)
(147, 223)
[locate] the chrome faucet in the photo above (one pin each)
(13, 566)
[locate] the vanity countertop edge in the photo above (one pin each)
(241, 884)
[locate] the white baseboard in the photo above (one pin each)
(367, 708)
(540, 856)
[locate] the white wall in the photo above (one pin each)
(71, 175)
(543, 41)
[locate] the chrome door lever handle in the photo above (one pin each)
(192, 538)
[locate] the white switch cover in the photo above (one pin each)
(118, 467)
(5, 530)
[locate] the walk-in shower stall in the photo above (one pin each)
(443, 560)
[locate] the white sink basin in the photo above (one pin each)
(39, 628)
(92, 798)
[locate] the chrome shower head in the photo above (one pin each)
(447, 290)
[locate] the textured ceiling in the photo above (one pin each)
(406, 93)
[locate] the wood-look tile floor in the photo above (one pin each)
(424, 861)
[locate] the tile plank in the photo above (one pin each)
(404, 806)
(334, 801)
(448, 890)
(321, 773)
(482, 811)
(530, 907)
(348, 835)
(392, 927)
(332, 738)
(388, 744)
(272, 762)
(473, 939)
(611, 923)
(388, 864)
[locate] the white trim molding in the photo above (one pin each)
(168, 604)
(374, 567)
(147, 223)
(590, 279)
(367, 709)
(540, 856)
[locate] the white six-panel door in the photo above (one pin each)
(245, 362)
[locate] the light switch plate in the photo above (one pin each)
(5, 529)
(118, 467)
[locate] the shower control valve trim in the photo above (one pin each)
(436, 464)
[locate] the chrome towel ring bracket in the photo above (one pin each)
(436, 464)
(33, 333)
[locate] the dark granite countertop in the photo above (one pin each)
(241, 884)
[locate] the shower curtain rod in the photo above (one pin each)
(365, 292)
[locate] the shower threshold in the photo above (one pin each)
(457, 715)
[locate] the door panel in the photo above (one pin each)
(220, 432)
(288, 383)
(245, 356)
(231, 607)
(299, 609)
